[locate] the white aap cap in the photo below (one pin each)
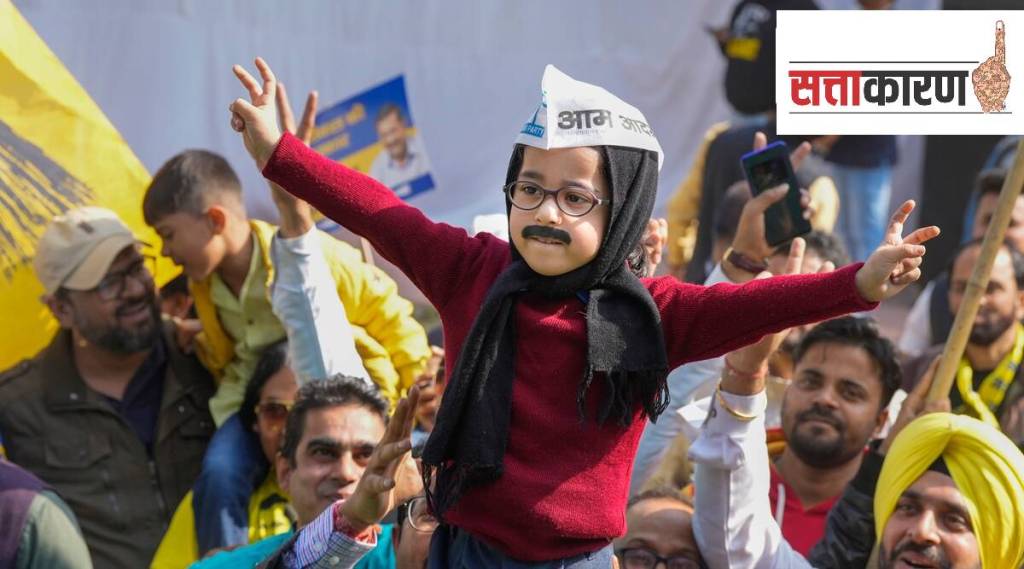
(572, 113)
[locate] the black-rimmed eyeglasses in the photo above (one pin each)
(418, 513)
(571, 200)
(642, 558)
(140, 270)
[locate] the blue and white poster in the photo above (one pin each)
(374, 132)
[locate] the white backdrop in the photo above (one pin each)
(161, 72)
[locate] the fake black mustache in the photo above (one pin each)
(545, 232)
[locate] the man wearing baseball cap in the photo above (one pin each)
(112, 414)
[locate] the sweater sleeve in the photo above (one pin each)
(433, 255)
(705, 322)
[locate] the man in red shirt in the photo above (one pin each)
(837, 401)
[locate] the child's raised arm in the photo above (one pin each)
(296, 215)
(707, 322)
(434, 255)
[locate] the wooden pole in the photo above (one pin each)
(953, 351)
(978, 283)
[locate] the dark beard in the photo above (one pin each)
(816, 451)
(934, 553)
(990, 329)
(122, 340)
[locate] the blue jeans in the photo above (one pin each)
(233, 467)
(863, 207)
(454, 548)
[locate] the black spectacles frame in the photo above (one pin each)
(594, 200)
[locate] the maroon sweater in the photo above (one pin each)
(565, 484)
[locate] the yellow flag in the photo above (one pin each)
(57, 151)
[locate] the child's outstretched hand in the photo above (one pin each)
(257, 121)
(896, 263)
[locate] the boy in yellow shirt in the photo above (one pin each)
(195, 204)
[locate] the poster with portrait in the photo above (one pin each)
(373, 132)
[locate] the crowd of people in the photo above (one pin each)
(582, 405)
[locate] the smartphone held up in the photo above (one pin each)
(769, 168)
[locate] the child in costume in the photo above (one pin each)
(560, 351)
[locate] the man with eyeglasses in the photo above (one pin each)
(413, 531)
(659, 533)
(112, 414)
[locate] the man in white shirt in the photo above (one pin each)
(949, 495)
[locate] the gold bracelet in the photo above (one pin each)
(725, 407)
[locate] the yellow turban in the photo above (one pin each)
(987, 468)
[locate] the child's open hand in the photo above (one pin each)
(257, 121)
(897, 261)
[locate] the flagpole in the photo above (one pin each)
(978, 283)
(953, 350)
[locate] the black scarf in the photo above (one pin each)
(625, 345)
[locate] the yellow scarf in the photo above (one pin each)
(983, 403)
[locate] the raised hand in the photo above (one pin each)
(296, 214)
(654, 239)
(897, 261)
(256, 119)
(746, 368)
(304, 130)
(750, 240)
(380, 490)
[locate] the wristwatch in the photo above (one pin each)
(743, 262)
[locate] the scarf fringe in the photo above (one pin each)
(444, 485)
(649, 387)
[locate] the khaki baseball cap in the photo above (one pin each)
(77, 248)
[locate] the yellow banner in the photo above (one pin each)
(57, 151)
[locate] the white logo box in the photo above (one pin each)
(926, 52)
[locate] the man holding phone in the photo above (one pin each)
(747, 256)
(767, 168)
